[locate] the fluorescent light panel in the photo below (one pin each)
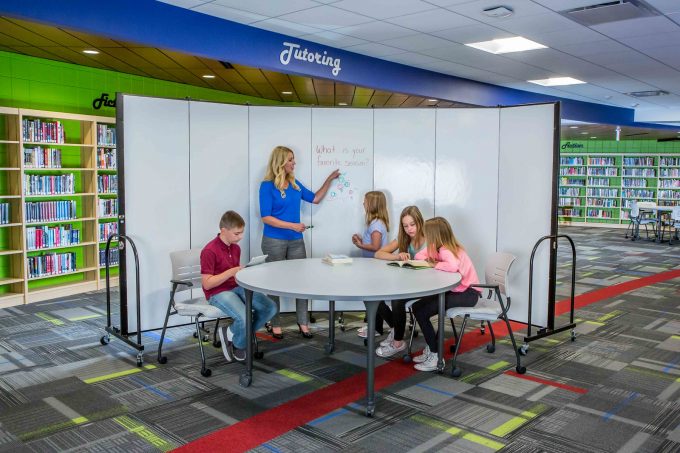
(556, 81)
(507, 45)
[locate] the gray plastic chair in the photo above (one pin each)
(186, 275)
(491, 308)
(673, 225)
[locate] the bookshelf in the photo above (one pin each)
(55, 168)
(598, 188)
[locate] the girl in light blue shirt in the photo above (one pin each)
(374, 236)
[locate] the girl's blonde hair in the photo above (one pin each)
(376, 208)
(275, 171)
(438, 233)
(403, 239)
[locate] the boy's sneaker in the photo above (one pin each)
(421, 358)
(388, 340)
(363, 332)
(230, 334)
(429, 364)
(225, 343)
(239, 354)
(390, 349)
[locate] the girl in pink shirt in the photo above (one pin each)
(444, 253)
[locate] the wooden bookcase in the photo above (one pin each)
(50, 181)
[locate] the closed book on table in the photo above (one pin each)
(336, 259)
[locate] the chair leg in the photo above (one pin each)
(455, 371)
(519, 368)
(453, 327)
(482, 330)
(204, 371)
(413, 330)
(491, 347)
(161, 358)
(216, 339)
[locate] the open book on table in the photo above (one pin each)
(411, 264)
(332, 258)
(254, 261)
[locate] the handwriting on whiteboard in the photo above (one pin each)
(332, 156)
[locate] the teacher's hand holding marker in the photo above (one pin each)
(280, 198)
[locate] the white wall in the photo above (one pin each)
(480, 168)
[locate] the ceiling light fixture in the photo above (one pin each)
(433, 100)
(556, 81)
(573, 127)
(342, 103)
(507, 45)
(91, 51)
(208, 76)
(634, 104)
(286, 92)
(646, 94)
(498, 11)
(584, 133)
(593, 137)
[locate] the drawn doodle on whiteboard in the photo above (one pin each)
(342, 189)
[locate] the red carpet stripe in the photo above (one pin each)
(526, 377)
(274, 422)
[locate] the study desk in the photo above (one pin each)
(366, 279)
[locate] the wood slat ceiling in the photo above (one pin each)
(65, 45)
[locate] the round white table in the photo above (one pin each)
(366, 279)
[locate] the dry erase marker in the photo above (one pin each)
(309, 226)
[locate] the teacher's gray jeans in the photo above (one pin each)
(282, 249)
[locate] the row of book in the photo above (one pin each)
(600, 214)
(106, 230)
(669, 194)
(602, 161)
(569, 212)
(638, 161)
(598, 182)
(114, 256)
(637, 193)
(47, 237)
(106, 135)
(565, 201)
(4, 213)
(602, 202)
(573, 171)
(49, 184)
(106, 158)
(40, 157)
(644, 172)
(602, 192)
(50, 211)
(51, 264)
(38, 130)
(107, 207)
(107, 183)
(669, 183)
(572, 182)
(669, 161)
(603, 171)
(571, 160)
(669, 172)
(628, 182)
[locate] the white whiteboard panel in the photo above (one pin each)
(525, 203)
(341, 139)
(219, 169)
(156, 175)
(404, 159)
(270, 127)
(466, 187)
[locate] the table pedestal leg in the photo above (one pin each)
(440, 334)
(330, 347)
(371, 310)
(247, 377)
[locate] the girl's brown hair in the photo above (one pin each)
(376, 208)
(403, 239)
(438, 233)
(275, 171)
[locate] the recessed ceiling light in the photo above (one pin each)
(342, 103)
(507, 45)
(556, 81)
(208, 76)
(584, 133)
(593, 137)
(91, 51)
(635, 104)
(573, 127)
(286, 92)
(433, 100)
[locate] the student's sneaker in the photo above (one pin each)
(421, 358)
(223, 332)
(230, 334)
(390, 349)
(388, 340)
(429, 364)
(239, 354)
(363, 332)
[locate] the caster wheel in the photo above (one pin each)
(456, 372)
(370, 412)
(407, 359)
(245, 381)
(523, 350)
(312, 319)
(573, 336)
(139, 363)
(195, 335)
(365, 341)
(206, 338)
(217, 343)
(259, 354)
(163, 360)
(342, 328)
(105, 340)
(521, 369)
(482, 331)
(490, 348)
(206, 372)
(452, 348)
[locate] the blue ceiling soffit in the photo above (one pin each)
(157, 24)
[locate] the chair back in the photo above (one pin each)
(675, 214)
(186, 265)
(634, 210)
(497, 270)
(646, 204)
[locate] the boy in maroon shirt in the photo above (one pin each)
(220, 261)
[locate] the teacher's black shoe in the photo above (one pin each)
(278, 336)
(304, 334)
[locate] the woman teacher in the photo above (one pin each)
(280, 198)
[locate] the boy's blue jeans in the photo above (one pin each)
(233, 304)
